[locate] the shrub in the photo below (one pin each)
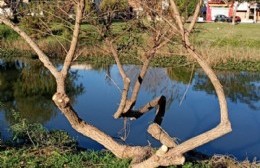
(7, 34)
(34, 133)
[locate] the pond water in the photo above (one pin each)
(191, 109)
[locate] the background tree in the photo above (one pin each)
(186, 7)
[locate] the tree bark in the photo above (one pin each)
(158, 133)
(174, 155)
(121, 151)
(195, 16)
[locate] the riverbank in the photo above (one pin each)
(228, 47)
(51, 156)
(223, 46)
(34, 146)
(160, 61)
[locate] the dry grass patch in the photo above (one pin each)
(224, 161)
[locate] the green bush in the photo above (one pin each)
(34, 133)
(7, 33)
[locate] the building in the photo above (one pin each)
(249, 12)
(216, 7)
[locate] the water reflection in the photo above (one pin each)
(95, 94)
(156, 83)
(238, 86)
(28, 87)
(181, 74)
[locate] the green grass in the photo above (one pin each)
(7, 34)
(224, 34)
(223, 45)
(34, 146)
(55, 157)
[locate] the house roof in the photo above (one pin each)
(245, 5)
(218, 3)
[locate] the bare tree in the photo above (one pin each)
(62, 100)
(169, 153)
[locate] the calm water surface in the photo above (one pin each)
(192, 107)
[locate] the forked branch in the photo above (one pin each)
(159, 102)
(126, 105)
(74, 41)
(195, 16)
(62, 101)
(174, 155)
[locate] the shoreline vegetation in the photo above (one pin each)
(224, 47)
(32, 145)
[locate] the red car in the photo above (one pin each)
(237, 19)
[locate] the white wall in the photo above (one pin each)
(218, 11)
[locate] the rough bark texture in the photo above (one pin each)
(158, 133)
(63, 102)
(126, 105)
(43, 58)
(174, 155)
(121, 151)
(195, 16)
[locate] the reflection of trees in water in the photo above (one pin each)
(6, 87)
(34, 80)
(156, 82)
(238, 86)
(101, 66)
(28, 87)
(180, 74)
(35, 108)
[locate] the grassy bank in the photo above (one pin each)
(224, 34)
(34, 146)
(225, 46)
(222, 45)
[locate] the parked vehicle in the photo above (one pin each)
(222, 18)
(237, 19)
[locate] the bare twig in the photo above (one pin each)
(27, 132)
(186, 90)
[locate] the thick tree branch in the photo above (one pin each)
(207, 69)
(175, 154)
(176, 16)
(158, 133)
(125, 78)
(195, 16)
(73, 45)
(125, 105)
(159, 101)
(121, 151)
(43, 58)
